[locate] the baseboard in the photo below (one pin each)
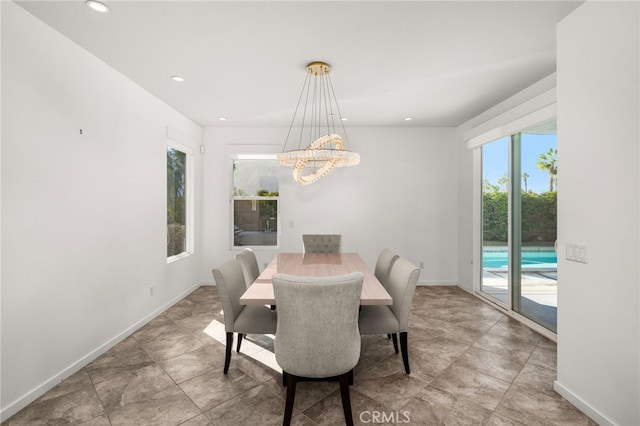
(581, 405)
(17, 405)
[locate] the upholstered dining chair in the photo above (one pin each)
(392, 319)
(385, 261)
(249, 264)
(317, 335)
(239, 318)
(321, 243)
(250, 269)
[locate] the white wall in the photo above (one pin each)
(84, 215)
(598, 207)
(403, 195)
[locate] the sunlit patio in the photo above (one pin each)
(539, 292)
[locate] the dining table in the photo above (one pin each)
(315, 265)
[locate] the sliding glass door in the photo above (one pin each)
(537, 296)
(519, 263)
(495, 221)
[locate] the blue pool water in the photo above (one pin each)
(530, 259)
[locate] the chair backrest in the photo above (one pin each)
(317, 333)
(401, 285)
(230, 284)
(385, 261)
(321, 243)
(249, 264)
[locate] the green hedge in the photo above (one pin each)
(175, 239)
(539, 217)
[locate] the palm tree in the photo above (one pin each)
(525, 176)
(503, 181)
(548, 162)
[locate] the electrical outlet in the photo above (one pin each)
(421, 265)
(150, 290)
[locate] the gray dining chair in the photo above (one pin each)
(321, 243)
(385, 261)
(392, 319)
(249, 263)
(250, 269)
(238, 318)
(317, 335)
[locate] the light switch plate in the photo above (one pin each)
(576, 253)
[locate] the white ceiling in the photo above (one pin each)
(440, 62)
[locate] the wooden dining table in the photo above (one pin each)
(316, 265)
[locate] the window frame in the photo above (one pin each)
(260, 154)
(189, 201)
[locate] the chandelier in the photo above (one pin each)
(317, 127)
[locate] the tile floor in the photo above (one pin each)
(470, 364)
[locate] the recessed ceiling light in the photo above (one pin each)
(408, 118)
(177, 78)
(222, 118)
(97, 6)
(345, 119)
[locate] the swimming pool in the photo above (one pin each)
(530, 259)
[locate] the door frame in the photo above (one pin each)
(507, 308)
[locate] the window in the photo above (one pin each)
(178, 202)
(255, 201)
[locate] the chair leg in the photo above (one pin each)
(389, 336)
(284, 379)
(227, 357)
(291, 395)
(405, 351)
(346, 401)
(350, 377)
(240, 335)
(394, 339)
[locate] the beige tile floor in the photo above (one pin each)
(470, 365)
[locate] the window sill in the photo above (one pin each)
(177, 257)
